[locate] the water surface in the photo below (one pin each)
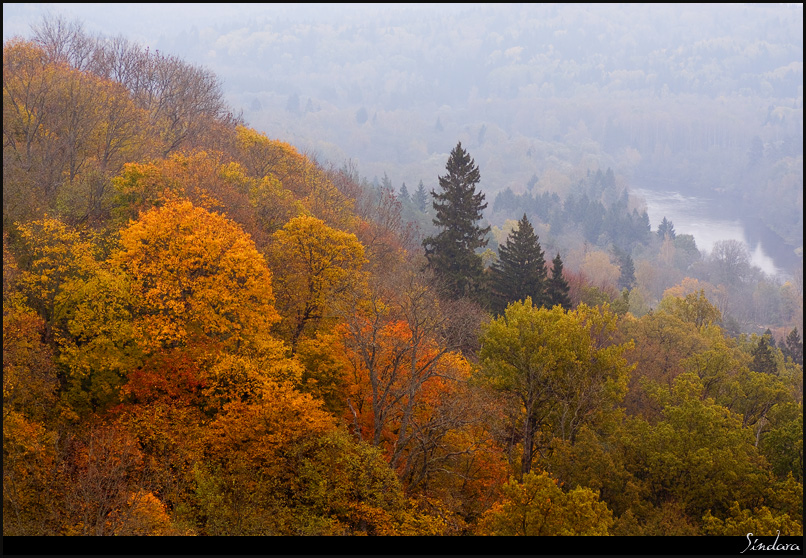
(709, 220)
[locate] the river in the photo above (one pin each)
(709, 220)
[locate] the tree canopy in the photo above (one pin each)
(207, 332)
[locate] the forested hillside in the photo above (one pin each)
(206, 332)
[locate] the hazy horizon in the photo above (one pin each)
(671, 97)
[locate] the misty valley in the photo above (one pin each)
(404, 270)
(710, 220)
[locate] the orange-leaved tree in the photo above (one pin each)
(405, 381)
(207, 179)
(182, 277)
(195, 277)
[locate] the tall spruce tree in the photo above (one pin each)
(404, 193)
(763, 361)
(557, 286)
(626, 279)
(794, 347)
(666, 228)
(451, 253)
(420, 198)
(520, 271)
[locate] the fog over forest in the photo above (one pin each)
(697, 105)
(407, 270)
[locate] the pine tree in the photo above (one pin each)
(386, 183)
(451, 253)
(627, 278)
(794, 347)
(557, 286)
(520, 271)
(666, 228)
(404, 193)
(763, 360)
(420, 198)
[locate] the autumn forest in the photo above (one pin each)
(208, 332)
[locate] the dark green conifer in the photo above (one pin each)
(627, 278)
(558, 287)
(386, 183)
(520, 271)
(794, 347)
(666, 228)
(404, 193)
(763, 360)
(452, 253)
(420, 198)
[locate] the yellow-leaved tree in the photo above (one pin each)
(49, 254)
(315, 265)
(540, 507)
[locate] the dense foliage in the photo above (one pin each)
(207, 333)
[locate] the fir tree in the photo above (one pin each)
(404, 193)
(386, 183)
(420, 198)
(557, 286)
(763, 360)
(520, 271)
(666, 228)
(451, 253)
(794, 347)
(627, 278)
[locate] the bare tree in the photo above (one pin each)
(183, 100)
(65, 41)
(731, 261)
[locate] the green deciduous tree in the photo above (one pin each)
(782, 444)
(539, 507)
(698, 454)
(563, 369)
